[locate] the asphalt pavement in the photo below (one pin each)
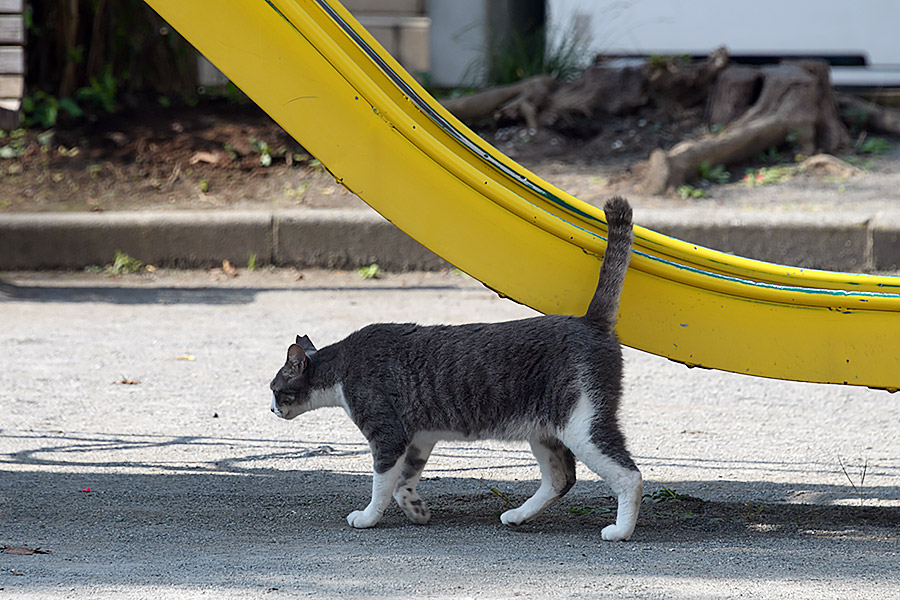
(138, 451)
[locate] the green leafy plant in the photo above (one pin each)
(689, 191)
(267, 153)
(16, 146)
(770, 156)
(713, 173)
(41, 109)
(251, 262)
(373, 271)
(664, 61)
(876, 146)
(123, 265)
(100, 92)
(663, 494)
(262, 148)
(768, 175)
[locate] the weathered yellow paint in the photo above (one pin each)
(327, 82)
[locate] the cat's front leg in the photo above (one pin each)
(383, 484)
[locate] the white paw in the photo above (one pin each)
(513, 517)
(361, 519)
(614, 533)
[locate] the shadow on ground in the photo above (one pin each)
(134, 295)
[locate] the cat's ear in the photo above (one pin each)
(297, 357)
(307, 345)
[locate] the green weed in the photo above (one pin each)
(689, 191)
(373, 271)
(522, 55)
(769, 175)
(713, 173)
(123, 265)
(663, 494)
(770, 157)
(264, 151)
(503, 496)
(876, 146)
(606, 511)
(752, 512)
(100, 92)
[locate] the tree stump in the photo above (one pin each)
(794, 98)
(675, 85)
(577, 108)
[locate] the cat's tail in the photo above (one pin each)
(605, 304)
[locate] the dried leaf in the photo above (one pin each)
(229, 269)
(204, 157)
(126, 381)
(186, 357)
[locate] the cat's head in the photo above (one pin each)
(290, 388)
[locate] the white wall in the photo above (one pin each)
(817, 27)
(458, 42)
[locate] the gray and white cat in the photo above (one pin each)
(553, 381)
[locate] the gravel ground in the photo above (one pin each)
(151, 391)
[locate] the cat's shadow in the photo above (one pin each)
(124, 477)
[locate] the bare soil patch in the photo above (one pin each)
(224, 156)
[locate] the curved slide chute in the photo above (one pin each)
(322, 77)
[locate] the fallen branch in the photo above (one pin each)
(482, 106)
(869, 114)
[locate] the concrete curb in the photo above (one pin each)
(346, 239)
(335, 239)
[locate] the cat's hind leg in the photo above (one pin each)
(601, 446)
(405, 491)
(384, 480)
(557, 477)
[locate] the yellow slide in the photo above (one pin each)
(319, 74)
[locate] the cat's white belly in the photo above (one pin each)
(509, 432)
